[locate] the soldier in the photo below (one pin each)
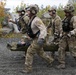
(68, 35)
(22, 21)
(55, 24)
(37, 31)
(22, 26)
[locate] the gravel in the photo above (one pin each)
(12, 62)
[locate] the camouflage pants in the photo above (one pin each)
(33, 49)
(71, 42)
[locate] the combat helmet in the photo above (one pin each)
(69, 8)
(21, 10)
(33, 9)
(52, 9)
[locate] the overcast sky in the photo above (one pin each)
(13, 3)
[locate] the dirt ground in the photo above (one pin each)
(12, 62)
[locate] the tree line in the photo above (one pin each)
(41, 11)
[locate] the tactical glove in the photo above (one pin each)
(56, 35)
(72, 32)
(69, 35)
(40, 41)
(61, 35)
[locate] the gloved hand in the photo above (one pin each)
(72, 32)
(56, 35)
(61, 35)
(40, 41)
(69, 35)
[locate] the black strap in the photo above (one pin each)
(29, 30)
(67, 25)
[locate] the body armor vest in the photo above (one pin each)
(29, 30)
(67, 25)
(19, 22)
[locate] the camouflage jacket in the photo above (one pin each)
(37, 25)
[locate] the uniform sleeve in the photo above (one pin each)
(50, 24)
(58, 26)
(42, 28)
(26, 19)
(74, 24)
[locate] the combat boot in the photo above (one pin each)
(27, 71)
(50, 64)
(61, 66)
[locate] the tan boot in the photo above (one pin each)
(50, 63)
(27, 71)
(61, 66)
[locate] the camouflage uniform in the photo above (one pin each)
(55, 24)
(56, 30)
(56, 27)
(68, 39)
(34, 48)
(23, 19)
(22, 22)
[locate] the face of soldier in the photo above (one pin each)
(52, 13)
(29, 13)
(67, 14)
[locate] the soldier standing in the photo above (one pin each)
(22, 21)
(68, 35)
(55, 24)
(37, 31)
